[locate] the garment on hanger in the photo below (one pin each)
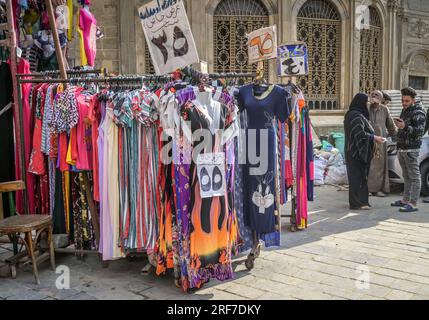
(204, 228)
(88, 34)
(260, 201)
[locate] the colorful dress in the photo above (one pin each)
(208, 225)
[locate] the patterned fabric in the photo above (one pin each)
(66, 113)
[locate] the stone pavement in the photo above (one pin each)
(380, 254)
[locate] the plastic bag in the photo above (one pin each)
(337, 175)
(320, 165)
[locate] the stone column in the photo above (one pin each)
(128, 52)
(354, 66)
(393, 65)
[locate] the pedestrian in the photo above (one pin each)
(382, 122)
(411, 127)
(360, 141)
(386, 99)
(426, 200)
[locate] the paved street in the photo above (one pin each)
(381, 254)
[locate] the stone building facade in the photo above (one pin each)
(391, 50)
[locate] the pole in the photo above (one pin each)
(59, 52)
(17, 109)
(22, 152)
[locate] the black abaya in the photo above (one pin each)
(359, 151)
(358, 183)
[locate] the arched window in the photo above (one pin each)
(233, 19)
(319, 26)
(371, 37)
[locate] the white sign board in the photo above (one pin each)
(168, 35)
(292, 60)
(262, 44)
(211, 174)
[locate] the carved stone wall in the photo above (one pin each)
(405, 37)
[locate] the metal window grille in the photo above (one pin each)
(233, 19)
(370, 54)
(319, 26)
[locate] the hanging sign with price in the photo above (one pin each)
(292, 60)
(262, 44)
(168, 35)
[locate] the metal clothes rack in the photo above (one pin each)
(292, 216)
(38, 78)
(47, 77)
(56, 73)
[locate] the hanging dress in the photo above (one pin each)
(207, 225)
(259, 179)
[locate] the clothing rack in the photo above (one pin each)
(69, 72)
(47, 77)
(96, 80)
(296, 89)
(20, 81)
(200, 76)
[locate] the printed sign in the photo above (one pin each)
(168, 35)
(292, 60)
(211, 174)
(262, 44)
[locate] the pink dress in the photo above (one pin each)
(84, 132)
(88, 25)
(24, 67)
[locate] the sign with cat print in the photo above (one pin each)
(263, 197)
(292, 60)
(262, 44)
(211, 174)
(168, 35)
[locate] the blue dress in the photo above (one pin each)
(260, 186)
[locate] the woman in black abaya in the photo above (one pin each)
(360, 140)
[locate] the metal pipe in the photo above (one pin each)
(22, 147)
(73, 251)
(57, 72)
(91, 80)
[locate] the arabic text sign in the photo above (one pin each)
(262, 44)
(168, 35)
(292, 60)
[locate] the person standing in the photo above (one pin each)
(386, 99)
(382, 122)
(411, 127)
(360, 141)
(426, 200)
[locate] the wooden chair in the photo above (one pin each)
(15, 226)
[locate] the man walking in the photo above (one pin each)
(411, 127)
(382, 122)
(426, 200)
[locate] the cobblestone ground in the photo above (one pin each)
(380, 254)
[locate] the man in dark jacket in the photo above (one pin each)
(411, 127)
(426, 200)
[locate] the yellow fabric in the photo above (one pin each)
(66, 176)
(83, 57)
(70, 31)
(69, 159)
